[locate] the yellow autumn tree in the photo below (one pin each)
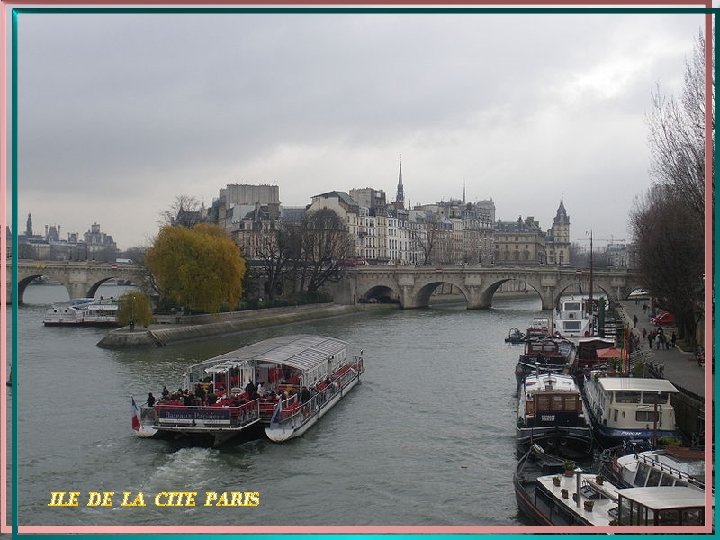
(134, 308)
(200, 268)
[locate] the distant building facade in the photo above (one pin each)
(94, 244)
(519, 242)
(557, 239)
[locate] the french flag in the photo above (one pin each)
(135, 415)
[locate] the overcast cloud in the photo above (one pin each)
(119, 114)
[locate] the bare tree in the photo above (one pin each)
(280, 257)
(677, 134)
(668, 223)
(185, 211)
(670, 254)
(432, 238)
(325, 242)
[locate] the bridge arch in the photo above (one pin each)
(81, 279)
(23, 283)
(380, 293)
(424, 292)
(490, 290)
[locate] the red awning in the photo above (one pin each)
(611, 352)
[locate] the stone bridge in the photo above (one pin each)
(81, 279)
(413, 285)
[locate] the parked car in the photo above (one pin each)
(663, 319)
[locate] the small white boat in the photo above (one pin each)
(83, 312)
(551, 413)
(671, 466)
(625, 408)
(573, 318)
(579, 498)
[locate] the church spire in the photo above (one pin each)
(400, 196)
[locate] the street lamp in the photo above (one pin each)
(132, 313)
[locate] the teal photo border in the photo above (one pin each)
(16, 12)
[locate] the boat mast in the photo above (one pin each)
(590, 292)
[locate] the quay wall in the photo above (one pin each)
(203, 326)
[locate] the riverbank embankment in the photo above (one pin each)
(175, 329)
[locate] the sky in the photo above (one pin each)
(119, 114)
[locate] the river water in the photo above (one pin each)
(426, 439)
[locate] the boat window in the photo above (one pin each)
(693, 516)
(571, 403)
(666, 480)
(571, 325)
(543, 403)
(647, 416)
(627, 397)
(557, 403)
(624, 509)
(641, 475)
(656, 397)
(572, 306)
(654, 479)
(670, 516)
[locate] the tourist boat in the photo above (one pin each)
(669, 466)
(515, 336)
(84, 312)
(551, 413)
(218, 400)
(574, 497)
(548, 354)
(625, 409)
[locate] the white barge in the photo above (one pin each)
(84, 312)
(625, 408)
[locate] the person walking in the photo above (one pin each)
(635, 320)
(673, 339)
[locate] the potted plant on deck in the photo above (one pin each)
(569, 468)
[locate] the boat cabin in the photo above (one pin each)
(539, 328)
(661, 506)
(550, 399)
(638, 407)
(553, 351)
(572, 317)
(588, 347)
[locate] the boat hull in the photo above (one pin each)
(282, 432)
(610, 437)
(566, 441)
(96, 324)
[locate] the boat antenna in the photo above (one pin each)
(590, 292)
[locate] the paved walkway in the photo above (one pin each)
(680, 367)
